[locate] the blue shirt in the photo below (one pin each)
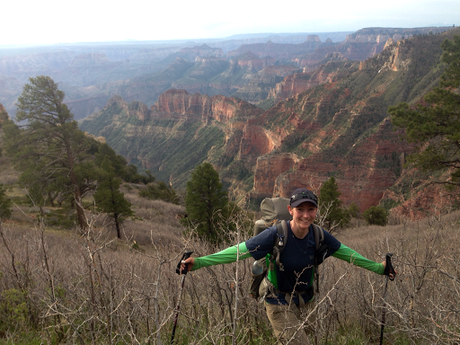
(297, 257)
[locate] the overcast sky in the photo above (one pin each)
(57, 21)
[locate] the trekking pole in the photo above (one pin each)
(184, 272)
(390, 274)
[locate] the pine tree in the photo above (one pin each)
(108, 197)
(331, 206)
(48, 147)
(204, 201)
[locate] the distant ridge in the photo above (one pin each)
(273, 35)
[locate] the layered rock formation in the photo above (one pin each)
(260, 85)
(200, 51)
(178, 132)
(299, 82)
(254, 62)
(90, 59)
(361, 183)
(279, 51)
(181, 104)
(381, 35)
(333, 132)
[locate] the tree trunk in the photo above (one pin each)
(76, 190)
(117, 225)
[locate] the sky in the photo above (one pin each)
(34, 22)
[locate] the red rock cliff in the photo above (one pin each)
(364, 184)
(179, 103)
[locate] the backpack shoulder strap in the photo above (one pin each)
(319, 235)
(319, 238)
(280, 243)
(284, 233)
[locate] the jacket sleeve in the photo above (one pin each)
(349, 255)
(223, 257)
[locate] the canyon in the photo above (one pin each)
(330, 121)
(270, 116)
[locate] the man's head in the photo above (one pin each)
(302, 195)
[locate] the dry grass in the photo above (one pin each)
(69, 288)
(424, 300)
(156, 222)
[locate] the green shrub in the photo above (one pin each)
(353, 210)
(61, 217)
(14, 308)
(159, 190)
(376, 215)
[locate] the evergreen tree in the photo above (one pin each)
(5, 204)
(127, 173)
(108, 197)
(49, 146)
(330, 205)
(434, 124)
(204, 201)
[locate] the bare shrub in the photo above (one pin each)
(156, 222)
(93, 288)
(424, 301)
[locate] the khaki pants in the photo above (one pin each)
(289, 322)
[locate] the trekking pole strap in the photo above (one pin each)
(389, 270)
(186, 255)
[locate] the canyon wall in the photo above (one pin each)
(176, 103)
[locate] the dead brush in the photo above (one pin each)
(423, 303)
(101, 290)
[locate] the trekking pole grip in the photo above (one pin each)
(186, 255)
(389, 270)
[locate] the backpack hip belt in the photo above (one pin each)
(267, 289)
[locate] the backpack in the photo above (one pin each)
(275, 212)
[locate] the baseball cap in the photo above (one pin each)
(303, 195)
